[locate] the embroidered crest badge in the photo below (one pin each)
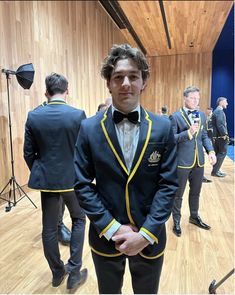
(154, 158)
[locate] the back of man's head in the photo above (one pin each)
(56, 84)
(164, 110)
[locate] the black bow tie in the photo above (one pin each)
(132, 117)
(191, 112)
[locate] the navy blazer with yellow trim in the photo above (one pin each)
(143, 197)
(190, 151)
(50, 136)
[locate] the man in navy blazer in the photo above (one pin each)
(220, 135)
(50, 136)
(189, 126)
(131, 154)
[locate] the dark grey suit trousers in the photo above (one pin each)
(194, 176)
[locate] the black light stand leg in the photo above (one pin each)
(24, 194)
(12, 181)
(213, 286)
(10, 204)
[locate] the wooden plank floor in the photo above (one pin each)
(191, 261)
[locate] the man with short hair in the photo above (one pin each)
(50, 136)
(64, 234)
(189, 126)
(164, 111)
(131, 154)
(220, 135)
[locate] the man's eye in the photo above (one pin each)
(134, 77)
(118, 77)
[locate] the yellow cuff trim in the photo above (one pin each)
(212, 152)
(190, 135)
(150, 234)
(107, 228)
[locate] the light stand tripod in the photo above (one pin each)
(12, 183)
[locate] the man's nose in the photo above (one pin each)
(126, 81)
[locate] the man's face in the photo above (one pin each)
(125, 85)
(209, 112)
(192, 100)
(224, 104)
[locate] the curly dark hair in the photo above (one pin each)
(124, 51)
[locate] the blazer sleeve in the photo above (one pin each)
(167, 186)
(180, 135)
(30, 148)
(86, 191)
(221, 123)
(206, 142)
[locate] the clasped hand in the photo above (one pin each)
(129, 241)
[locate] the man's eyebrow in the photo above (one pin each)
(131, 72)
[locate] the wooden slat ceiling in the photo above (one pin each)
(194, 26)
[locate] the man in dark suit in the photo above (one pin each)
(50, 136)
(64, 234)
(189, 126)
(220, 135)
(131, 153)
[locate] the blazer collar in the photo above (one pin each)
(108, 127)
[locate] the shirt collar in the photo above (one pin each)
(57, 99)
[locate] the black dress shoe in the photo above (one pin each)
(56, 281)
(218, 174)
(198, 222)
(64, 234)
(206, 179)
(76, 280)
(222, 173)
(177, 229)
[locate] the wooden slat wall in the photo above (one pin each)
(68, 37)
(170, 75)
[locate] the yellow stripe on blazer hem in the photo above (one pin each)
(104, 254)
(56, 191)
(152, 257)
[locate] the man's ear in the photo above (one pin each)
(47, 94)
(144, 85)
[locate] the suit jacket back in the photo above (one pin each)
(50, 136)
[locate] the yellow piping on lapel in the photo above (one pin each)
(111, 145)
(136, 167)
(196, 156)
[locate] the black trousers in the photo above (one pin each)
(220, 147)
(50, 215)
(145, 273)
(194, 176)
(61, 211)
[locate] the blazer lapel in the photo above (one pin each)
(185, 116)
(108, 128)
(145, 131)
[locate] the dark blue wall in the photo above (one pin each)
(223, 70)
